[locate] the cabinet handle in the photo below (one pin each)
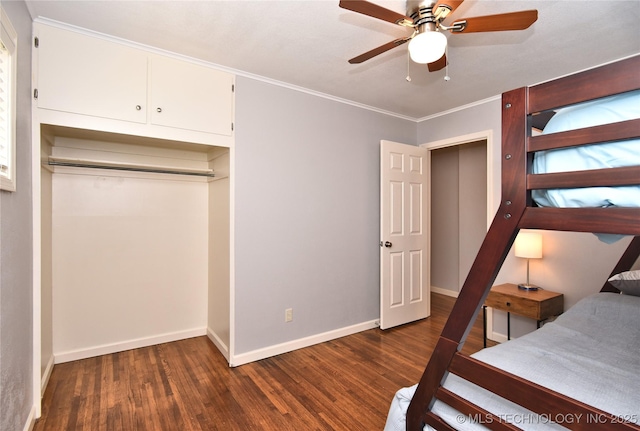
(159, 109)
(138, 107)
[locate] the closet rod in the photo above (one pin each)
(128, 167)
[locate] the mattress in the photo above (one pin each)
(625, 106)
(589, 353)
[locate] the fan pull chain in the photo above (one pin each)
(447, 78)
(408, 78)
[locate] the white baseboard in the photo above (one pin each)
(289, 346)
(31, 420)
(445, 292)
(224, 349)
(496, 336)
(44, 381)
(106, 349)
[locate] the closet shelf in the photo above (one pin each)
(100, 164)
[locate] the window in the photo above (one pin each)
(8, 45)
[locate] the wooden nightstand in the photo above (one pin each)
(539, 305)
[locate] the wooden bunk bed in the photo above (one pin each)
(517, 211)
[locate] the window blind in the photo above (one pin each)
(5, 109)
(8, 116)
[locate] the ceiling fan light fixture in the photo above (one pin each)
(427, 47)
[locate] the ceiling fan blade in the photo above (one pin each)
(438, 64)
(375, 11)
(379, 50)
(444, 8)
(499, 22)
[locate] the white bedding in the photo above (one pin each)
(590, 353)
(625, 106)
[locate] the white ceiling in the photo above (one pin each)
(307, 44)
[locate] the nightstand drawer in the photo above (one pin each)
(535, 304)
(538, 305)
(522, 307)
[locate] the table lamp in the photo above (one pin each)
(528, 245)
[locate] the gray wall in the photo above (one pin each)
(16, 236)
(473, 204)
(473, 119)
(307, 212)
(445, 210)
(458, 211)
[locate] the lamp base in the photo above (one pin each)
(526, 286)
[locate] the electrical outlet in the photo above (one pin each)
(288, 315)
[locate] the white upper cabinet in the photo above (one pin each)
(91, 76)
(190, 96)
(88, 81)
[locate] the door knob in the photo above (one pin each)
(386, 244)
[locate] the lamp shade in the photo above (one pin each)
(427, 47)
(528, 245)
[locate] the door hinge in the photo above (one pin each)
(36, 42)
(35, 93)
(232, 127)
(233, 88)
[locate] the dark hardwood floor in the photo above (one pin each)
(344, 384)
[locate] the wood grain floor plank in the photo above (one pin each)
(343, 384)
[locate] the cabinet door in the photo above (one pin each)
(87, 75)
(190, 96)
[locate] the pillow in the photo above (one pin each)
(627, 282)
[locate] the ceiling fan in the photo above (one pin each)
(427, 43)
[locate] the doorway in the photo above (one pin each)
(461, 178)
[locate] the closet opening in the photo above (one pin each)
(135, 243)
(460, 195)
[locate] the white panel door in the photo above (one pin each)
(404, 239)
